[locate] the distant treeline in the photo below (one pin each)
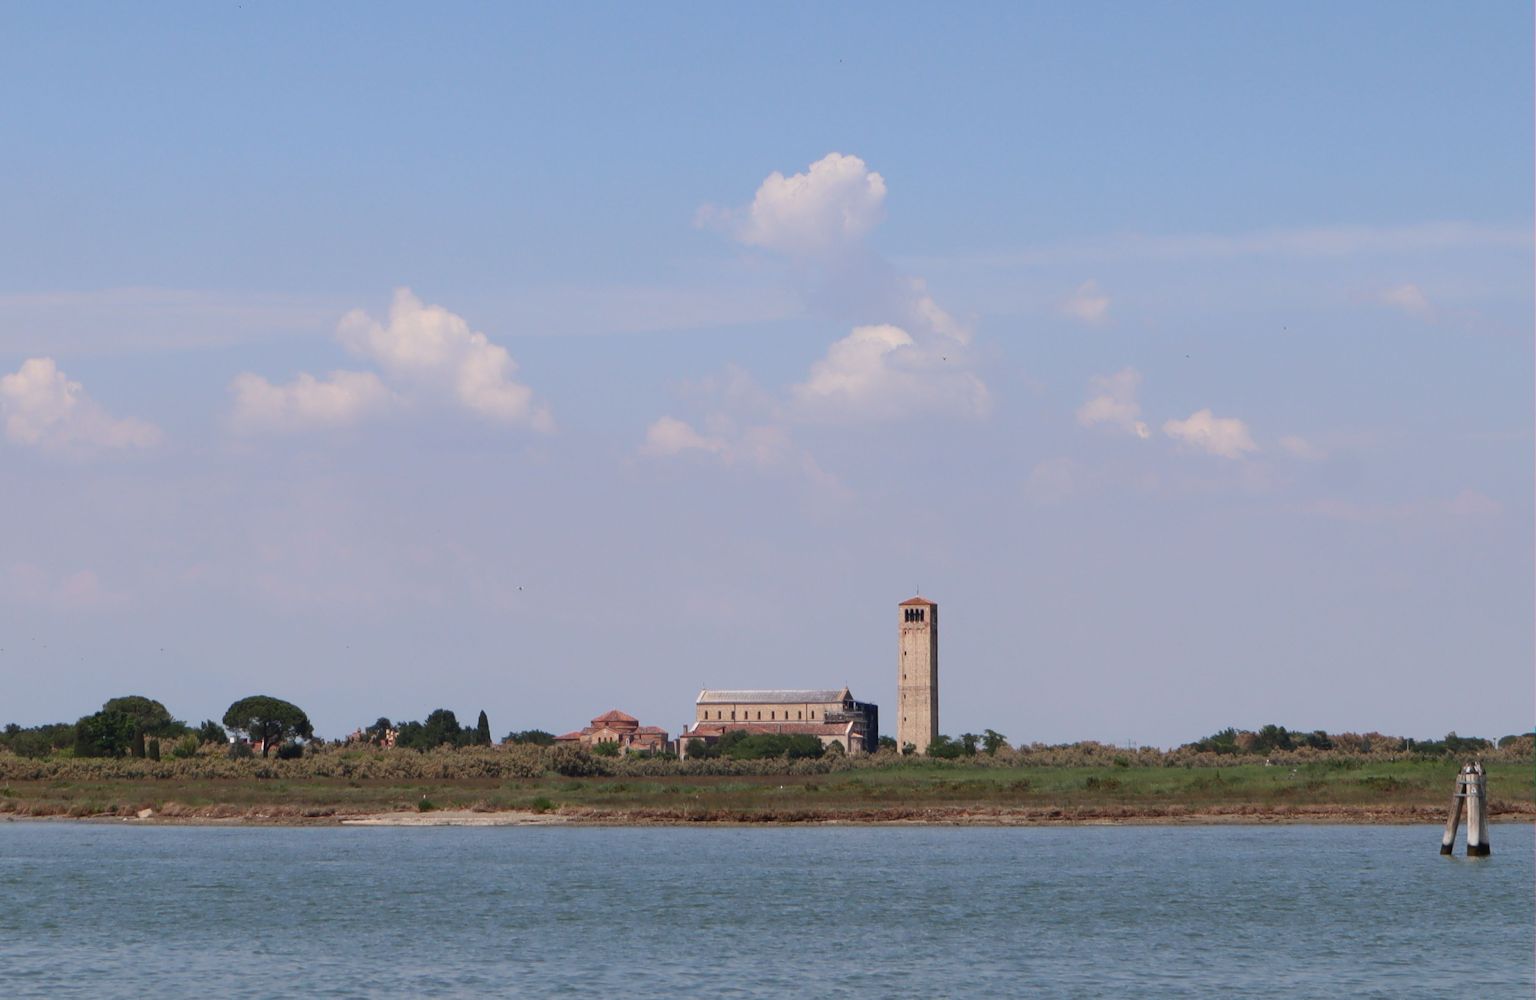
(521, 762)
(1272, 738)
(135, 726)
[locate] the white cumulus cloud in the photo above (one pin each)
(904, 354)
(1224, 436)
(881, 373)
(44, 408)
(425, 353)
(831, 206)
(434, 348)
(1113, 403)
(343, 399)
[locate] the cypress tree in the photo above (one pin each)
(483, 730)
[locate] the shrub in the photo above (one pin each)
(185, 748)
(574, 762)
(541, 805)
(738, 744)
(945, 748)
(537, 737)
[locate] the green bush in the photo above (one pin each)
(739, 744)
(945, 748)
(574, 762)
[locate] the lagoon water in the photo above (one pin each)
(1307, 911)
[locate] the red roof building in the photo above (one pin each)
(619, 728)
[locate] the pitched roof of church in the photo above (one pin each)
(701, 729)
(917, 600)
(614, 715)
(774, 697)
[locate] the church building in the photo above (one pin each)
(831, 715)
(622, 730)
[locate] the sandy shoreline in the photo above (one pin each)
(1332, 815)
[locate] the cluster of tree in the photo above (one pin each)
(530, 737)
(37, 741)
(137, 726)
(1268, 738)
(968, 745)
(1457, 746)
(738, 744)
(441, 728)
(131, 725)
(1274, 738)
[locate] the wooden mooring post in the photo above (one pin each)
(1471, 799)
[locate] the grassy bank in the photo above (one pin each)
(1394, 790)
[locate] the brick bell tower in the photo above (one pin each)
(917, 684)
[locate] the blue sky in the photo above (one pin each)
(546, 362)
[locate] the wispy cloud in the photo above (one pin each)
(31, 585)
(135, 320)
(1114, 404)
(1227, 437)
(1304, 242)
(1088, 304)
(1408, 298)
(1468, 504)
(1299, 447)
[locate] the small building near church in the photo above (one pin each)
(832, 715)
(621, 729)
